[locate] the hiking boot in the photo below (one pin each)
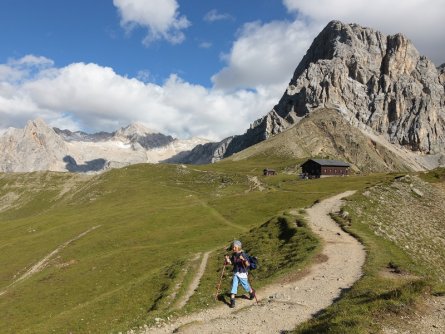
(232, 302)
(252, 294)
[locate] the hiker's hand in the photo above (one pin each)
(242, 258)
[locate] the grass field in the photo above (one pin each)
(149, 222)
(399, 270)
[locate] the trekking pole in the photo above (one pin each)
(254, 292)
(220, 281)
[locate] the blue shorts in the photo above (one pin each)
(244, 282)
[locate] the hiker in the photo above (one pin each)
(240, 273)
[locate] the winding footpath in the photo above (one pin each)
(282, 307)
(195, 282)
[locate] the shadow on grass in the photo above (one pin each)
(224, 298)
(286, 233)
(321, 313)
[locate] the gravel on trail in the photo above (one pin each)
(283, 306)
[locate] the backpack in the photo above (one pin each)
(253, 262)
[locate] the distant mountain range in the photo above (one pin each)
(357, 95)
(40, 147)
(379, 84)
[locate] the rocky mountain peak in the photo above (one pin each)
(378, 83)
(37, 125)
(42, 135)
(40, 147)
(375, 80)
(138, 134)
(335, 41)
(135, 129)
(36, 147)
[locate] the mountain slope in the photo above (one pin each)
(125, 238)
(39, 147)
(377, 82)
(36, 147)
(325, 133)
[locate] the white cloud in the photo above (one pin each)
(161, 18)
(144, 76)
(214, 15)
(8, 73)
(265, 54)
(420, 20)
(258, 67)
(205, 45)
(95, 98)
(268, 53)
(32, 60)
(23, 68)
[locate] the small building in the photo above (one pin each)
(269, 172)
(322, 167)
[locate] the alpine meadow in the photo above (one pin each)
(175, 167)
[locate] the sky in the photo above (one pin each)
(181, 67)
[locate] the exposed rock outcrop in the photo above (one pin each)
(70, 136)
(147, 138)
(38, 147)
(376, 80)
(326, 133)
(202, 154)
(441, 70)
(379, 83)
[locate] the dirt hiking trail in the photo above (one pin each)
(283, 306)
(195, 282)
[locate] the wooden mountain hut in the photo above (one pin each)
(323, 167)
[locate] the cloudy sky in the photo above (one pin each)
(183, 67)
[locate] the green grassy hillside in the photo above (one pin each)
(325, 133)
(122, 239)
(401, 224)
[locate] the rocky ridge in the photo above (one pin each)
(326, 133)
(36, 147)
(69, 136)
(147, 138)
(39, 147)
(376, 80)
(380, 84)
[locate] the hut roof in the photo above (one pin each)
(325, 162)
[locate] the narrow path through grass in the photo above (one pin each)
(39, 266)
(282, 306)
(194, 284)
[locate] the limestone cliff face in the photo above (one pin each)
(326, 133)
(441, 70)
(137, 133)
(376, 81)
(202, 154)
(39, 147)
(36, 147)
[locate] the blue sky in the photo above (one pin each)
(90, 31)
(186, 68)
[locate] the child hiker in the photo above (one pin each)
(240, 264)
